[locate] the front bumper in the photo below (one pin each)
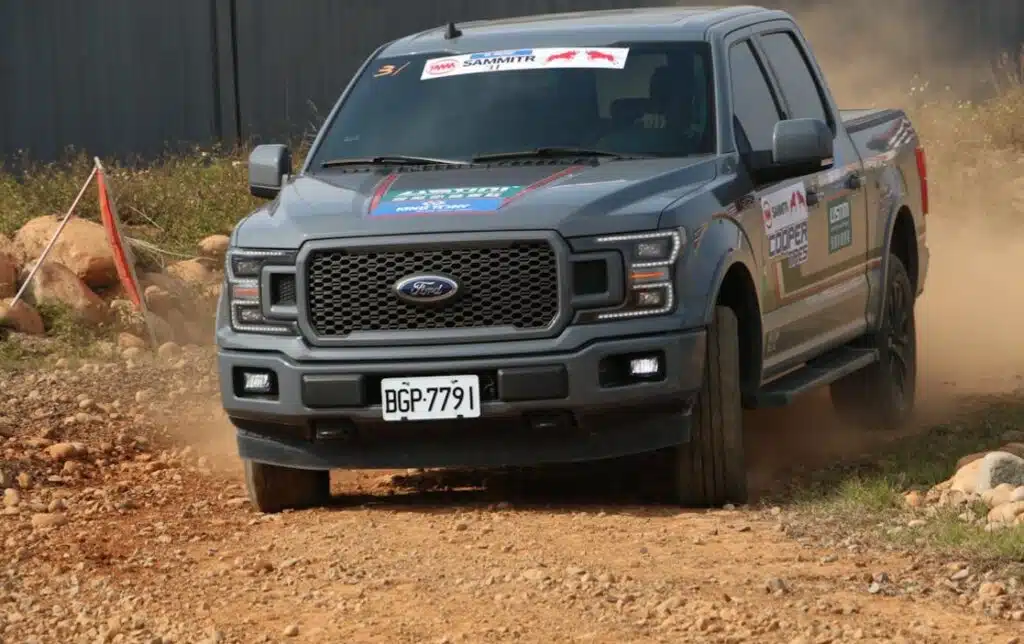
(547, 408)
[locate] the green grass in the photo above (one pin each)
(869, 497)
(66, 336)
(172, 202)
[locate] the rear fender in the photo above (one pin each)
(893, 196)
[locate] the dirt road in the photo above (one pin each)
(115, 531)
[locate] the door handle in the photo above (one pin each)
(813, 196)
(854, 181)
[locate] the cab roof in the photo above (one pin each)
(584, 28)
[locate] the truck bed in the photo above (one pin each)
(857, 120)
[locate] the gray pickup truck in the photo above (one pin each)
(566, 238)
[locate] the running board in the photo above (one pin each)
(819, 372)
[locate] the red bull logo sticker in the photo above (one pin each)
(525, 59)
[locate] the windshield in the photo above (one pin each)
(649, 99)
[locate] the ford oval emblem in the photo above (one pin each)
(427, 288)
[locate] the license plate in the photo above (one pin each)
(430, 397)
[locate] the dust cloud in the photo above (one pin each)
(969, 318)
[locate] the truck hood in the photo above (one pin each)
(586, 199)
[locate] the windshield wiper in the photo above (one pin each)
(389, 159)
(549, 152)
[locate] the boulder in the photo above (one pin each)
(21, 317)
(1006, 513)
(54, 283)
(158, 300)
(966, 478)
(172, 285)
(196, 272)
(82, 247)
(214, 247)
(8, 274)
(999, 468)
(998, 495)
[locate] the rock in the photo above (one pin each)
(776, 586)
(171, 284)
(1017, 449)
(168, 351)
(998, 468)
(47, 520)
(1013, 436)
(128, 341)
(8, 274)
(64, 451)
(12, 497)
(83, 247)
(1017, 496)
(998, 495)
(24, 480)
(913, 499)
(127, 318)
(1006, 513)
(214, 247)
(56, 284)
(158, 300)
(966, 477)
(534, 574)
(21, 317)
(193, 271)
(970, 458)
(290, 631)
(991, 590)
(131, 353)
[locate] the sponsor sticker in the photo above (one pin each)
(784, 213)
(444, 200)
(523, 59)
(840, 225)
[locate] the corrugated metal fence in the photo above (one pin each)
(123, 77)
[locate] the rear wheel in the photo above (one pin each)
(882, 395)
(273, 488)
(710, 469)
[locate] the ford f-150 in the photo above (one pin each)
(566, 238)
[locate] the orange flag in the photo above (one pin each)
(110, 222)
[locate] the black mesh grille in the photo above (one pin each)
(514, 285)
(282, 289)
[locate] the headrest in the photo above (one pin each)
(661, 85)
(627, 110)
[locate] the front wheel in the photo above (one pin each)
(273, 488)
(710, 469)
(882, 395)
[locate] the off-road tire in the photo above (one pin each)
(882, 395)
(273, 488)
(710, 468)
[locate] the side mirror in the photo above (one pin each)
(269, 165)
(799, 144)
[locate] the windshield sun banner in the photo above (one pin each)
(523, 59)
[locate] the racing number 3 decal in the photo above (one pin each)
(389, 70)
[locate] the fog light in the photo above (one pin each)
(249, 314)
(644, 367)
(651, 298)
(257, 382)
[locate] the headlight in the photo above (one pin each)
(261, 290)
(650, 262)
